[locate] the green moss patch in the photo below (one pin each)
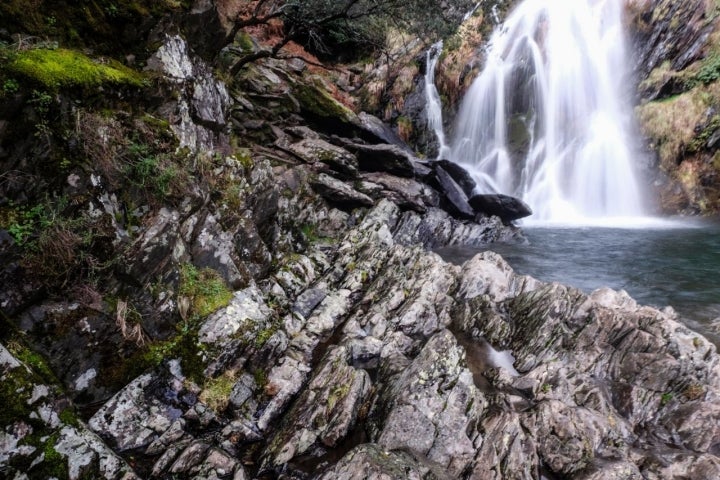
(62, 68)
(205, 288)
(320, 103)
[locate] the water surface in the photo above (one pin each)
(677, 266)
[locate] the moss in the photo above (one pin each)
(320, 103)
(33, 360)
(694, 391)
(244, 41)
(184, 346)
(405, 128)
(62, 68)
(260, 377)
(15, 391)
(69, 417)
(701, 139)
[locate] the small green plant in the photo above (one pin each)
(10, 86)
(665, 398)
(42, 101)
(710, 71)
(205, 288)
(216, 391)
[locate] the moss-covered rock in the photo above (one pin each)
(62, 68)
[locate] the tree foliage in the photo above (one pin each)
(334, 27)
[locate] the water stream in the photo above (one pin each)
(433, 104)
(549, 119)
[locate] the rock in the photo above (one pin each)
(213, 247)
(198, 117)
(504, 206)
(436, 228)
(381, 131)
(308, 300)
(316, 150)
(662, 40)
(372, 461)
(454, 194)
(246, 310)
(81, 344)
(405, 192)
(40, 433)
(339, 192)
(146, 411)
(383, 158)
(461, 176)
(433, 403)
(324, 413)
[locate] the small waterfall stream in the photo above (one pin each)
(547, 119)
(433, 104)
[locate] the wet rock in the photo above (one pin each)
(461, 176)
(504, 206)
(454, 195)
(337, 191)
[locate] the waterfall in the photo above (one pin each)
(433, 105)
(547, 120)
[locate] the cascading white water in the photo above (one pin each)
(433, 104)
(547, 119)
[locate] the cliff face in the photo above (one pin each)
(678, 70)
(215, 276)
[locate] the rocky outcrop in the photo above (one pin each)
(198, 115)
(678, 87)
(373, 353)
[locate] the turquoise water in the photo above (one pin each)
(678, 266)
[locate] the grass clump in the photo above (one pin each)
(205, 288)
(63, 68)
(216, 393)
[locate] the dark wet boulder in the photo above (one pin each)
(461, 176)
(457, 200)
(504, 206)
